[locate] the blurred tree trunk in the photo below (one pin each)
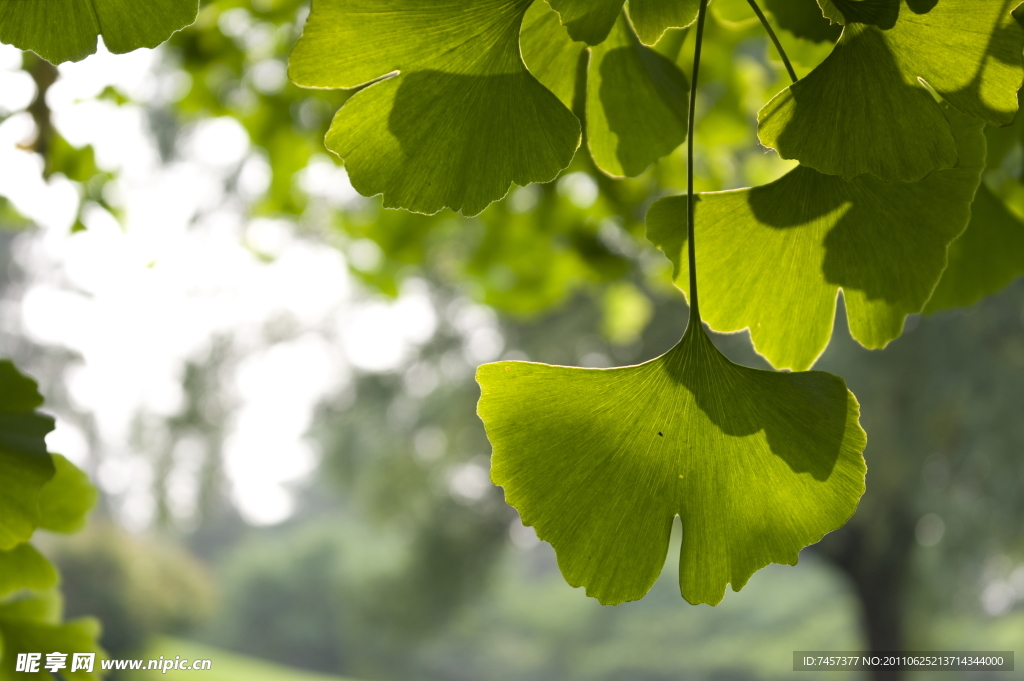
(44, 74)
(875, 556)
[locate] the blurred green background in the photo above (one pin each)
(397, 560)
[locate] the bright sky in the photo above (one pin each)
(139, 299)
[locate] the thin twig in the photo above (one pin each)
(690, 203)
(775, 39)
(44, 74)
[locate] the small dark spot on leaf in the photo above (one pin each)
(660, 435)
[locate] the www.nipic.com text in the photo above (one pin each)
(31, 663)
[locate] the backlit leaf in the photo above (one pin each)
(23, 567)
(66, 30)
(452, 117)
(24, 464)
(636, 99)
(636, 104)
(549, 53)
(773, 258)
(756, 464)
(864, 110)
(591, 21)
(985, 258)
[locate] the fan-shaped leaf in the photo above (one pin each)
(636, 104)
(757, 465)
(773, 258)
(24, 464)
(66, 30)
(549, 53)
(985, 258)
(635, 98)
(863, 109)
(455, 116)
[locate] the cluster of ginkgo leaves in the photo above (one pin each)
(454, 101)
(40, 491)
(461, 99)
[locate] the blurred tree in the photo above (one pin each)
(136, 586)
(567, 262)
(941, 405)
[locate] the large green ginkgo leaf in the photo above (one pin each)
(454, 117)
(635, 98)
(757, 465)
(985, 258)
(66, 30)
(24, 464)
(591, 21)
(773, 258)
(864, 109)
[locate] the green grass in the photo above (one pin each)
(226, 666)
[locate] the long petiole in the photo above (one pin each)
(775, 38)
(690, 203)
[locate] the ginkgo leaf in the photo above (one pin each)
(636, 104)
(636, 99)
(23, 567)
(24, 464)
(549, 53)
(66, 30)
(756, 464)
(773, 258)
(66, 499)
(28, 626)
(591, 21)
(864, 109)
(451, 116)
(985, 258)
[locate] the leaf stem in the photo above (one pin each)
(690, 202)
(775, 38)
